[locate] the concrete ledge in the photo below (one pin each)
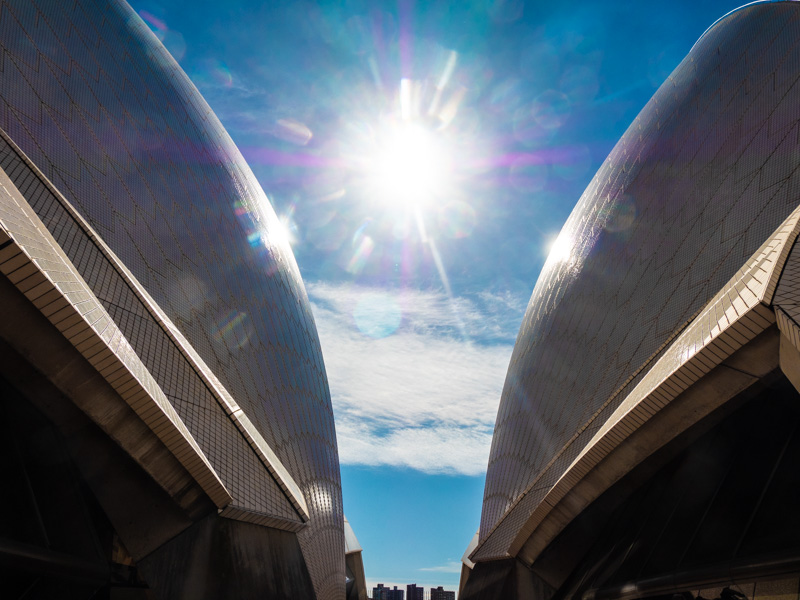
(246, 515)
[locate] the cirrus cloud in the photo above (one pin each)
(425, 395)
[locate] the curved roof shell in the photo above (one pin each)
(706, 172)
(106, 114)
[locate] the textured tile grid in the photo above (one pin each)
(709, 165)
(100, 107)
(34, 263)
(253, 490)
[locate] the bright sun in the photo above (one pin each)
(410, 167)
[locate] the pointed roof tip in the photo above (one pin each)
(351, 544)
(473, 543)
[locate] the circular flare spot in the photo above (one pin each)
(620, 215)
(377, 315)
(457, 219)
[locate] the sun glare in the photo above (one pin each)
(560, 249)
(410, 167)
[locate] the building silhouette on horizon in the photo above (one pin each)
(440, 593)
(381, 592)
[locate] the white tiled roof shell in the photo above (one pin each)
(707, 171)
(101, 108)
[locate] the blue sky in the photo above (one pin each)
(418, 302)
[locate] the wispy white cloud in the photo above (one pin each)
(415, 377)
(453, 566)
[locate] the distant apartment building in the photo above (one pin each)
(380, 592)
(441, 594)
(415, 593)
(396, 594)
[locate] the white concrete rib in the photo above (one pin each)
(38, 267)
(256, 441)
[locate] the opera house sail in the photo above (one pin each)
(166, 419)
(647, 441)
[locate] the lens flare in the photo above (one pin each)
(377, 315)
(360, 255)
(282, 232)
(457, 219)
(560, 250)
(620, 215)
(233, 329)
(292, 131)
